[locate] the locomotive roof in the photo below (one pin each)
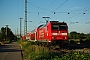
(54, 21)
(57, 22)
(42, 25)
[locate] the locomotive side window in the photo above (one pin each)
(62, 27)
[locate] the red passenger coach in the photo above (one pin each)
(53, 31)
(32, 35)
(23, 38)
(28, 36)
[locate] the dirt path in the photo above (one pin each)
(10, 51)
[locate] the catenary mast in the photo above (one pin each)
(25, 21)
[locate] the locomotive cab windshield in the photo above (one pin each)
(59, 26)
(62, 27)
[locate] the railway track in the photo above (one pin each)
(69, 48)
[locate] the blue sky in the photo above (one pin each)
(12, 10)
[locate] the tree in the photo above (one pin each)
(88, 36)
(0, 37)
(82, 36)
(78, 35)
(3, 36)
(10, 36)
(73, 34)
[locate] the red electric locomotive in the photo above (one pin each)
(53, 32)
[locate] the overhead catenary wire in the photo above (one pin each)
(49, 11)
(52, 2)
(84, 20)
(61, 5)
(68, 11)
(84, 12)
(42, 8)
(39, 7)
(58, 7)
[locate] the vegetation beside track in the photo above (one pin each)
(6, 38)
(31, 51)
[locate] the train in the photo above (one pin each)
(53, 32)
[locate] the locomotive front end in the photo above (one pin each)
(59, 32)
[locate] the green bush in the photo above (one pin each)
(74, 56)
(35, 52)
(88, 36)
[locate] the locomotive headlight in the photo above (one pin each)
(54, 33)
(64, 33)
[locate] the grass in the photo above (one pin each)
(31, 51)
